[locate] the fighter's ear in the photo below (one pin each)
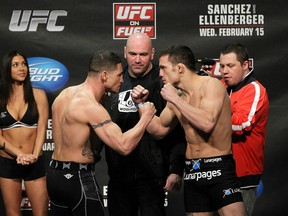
(104, 75)
(180, 67)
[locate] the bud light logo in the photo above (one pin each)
(47, 74)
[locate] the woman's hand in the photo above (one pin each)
(26, 159)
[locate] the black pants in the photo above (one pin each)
(73, 193)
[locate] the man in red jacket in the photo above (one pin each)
(250, 104)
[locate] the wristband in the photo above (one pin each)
(137, 104)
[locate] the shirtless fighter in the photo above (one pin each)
(202, 106)
(71, 178)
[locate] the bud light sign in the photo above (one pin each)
(47, 74)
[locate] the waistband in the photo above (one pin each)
(213, 159)
(69, 165)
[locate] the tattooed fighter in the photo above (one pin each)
(76, 111)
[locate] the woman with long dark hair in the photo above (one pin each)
(23, 121)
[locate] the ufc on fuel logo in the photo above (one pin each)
(129, 18)
(28, 20)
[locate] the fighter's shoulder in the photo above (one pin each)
(63, 96)
(213, 81)
(212, 86)
(66, 91)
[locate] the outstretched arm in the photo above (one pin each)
(159, 126)
(112, 135)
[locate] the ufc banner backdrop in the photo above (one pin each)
(59, 37)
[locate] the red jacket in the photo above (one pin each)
(250, 104)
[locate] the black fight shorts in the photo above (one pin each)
(210, 184)
(11, 170)
(73, 189)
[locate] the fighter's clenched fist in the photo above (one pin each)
(169, 92)
(147, 109)
(139, 94)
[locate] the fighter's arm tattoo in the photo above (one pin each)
(86, 152)
(101, 124)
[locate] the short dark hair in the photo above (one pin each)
(103, 60)
(180, 54)
(240, 51)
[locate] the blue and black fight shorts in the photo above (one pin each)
(210, 184)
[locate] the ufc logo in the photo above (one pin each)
(29, 20)
(134, 12)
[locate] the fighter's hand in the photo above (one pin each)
(173, 183)
(147, 109)
(169, 92)
(139, 94)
